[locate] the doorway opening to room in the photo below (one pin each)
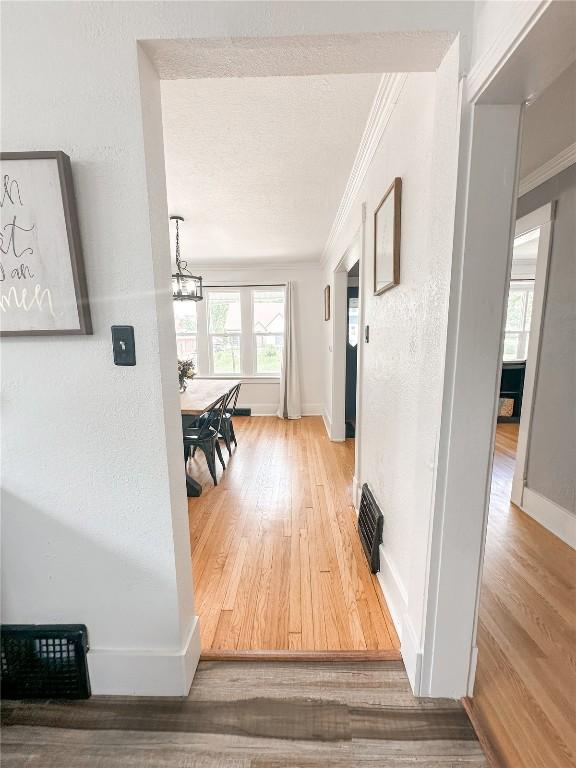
(352, 331)
(278, 563)
(526, 612)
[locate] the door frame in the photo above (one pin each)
(494, 96)
(542, 219)
(353, 253)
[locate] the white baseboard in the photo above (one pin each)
(136, 672)
(270, 409)
(356, 492)
(397, 601)
(393, 590)
(411, 655)
(472, 672)
(556, 519)
(327, 423)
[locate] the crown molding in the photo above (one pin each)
(385, 100)
(523, 18)
(258, 266)
(547, 170)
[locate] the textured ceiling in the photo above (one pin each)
(303, 55)
(257, 166)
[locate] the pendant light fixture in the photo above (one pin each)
(185, 286)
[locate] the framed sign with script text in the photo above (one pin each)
(42, 280)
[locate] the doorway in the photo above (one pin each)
(352, 329)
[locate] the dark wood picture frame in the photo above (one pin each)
(74, 244)
(327, 303)
(394, 189)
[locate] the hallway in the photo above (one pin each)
(277, 561)
(525, 689)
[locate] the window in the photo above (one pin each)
(224, 329)
(518, 317)
(233, 332)
(268, 330)
(186, 322)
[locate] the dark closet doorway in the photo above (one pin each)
(351, 349)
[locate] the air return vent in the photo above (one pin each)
(44, 661)
(370, 524)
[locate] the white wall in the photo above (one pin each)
(94, 512)
(94, 521)
(263, 396)
(402, 369)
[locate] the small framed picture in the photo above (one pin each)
(387, 239)
(327, 303)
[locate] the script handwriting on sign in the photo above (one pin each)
(16, 254)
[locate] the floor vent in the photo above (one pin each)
(370, 524)
(44, 661)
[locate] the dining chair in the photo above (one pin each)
(205, 436)
(227, 427)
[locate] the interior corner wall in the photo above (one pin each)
(89, 514)
(263, 396)
(551, 470)
(403, 363)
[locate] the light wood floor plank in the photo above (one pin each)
(525, 691)
(275, 546)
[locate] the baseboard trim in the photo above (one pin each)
(327, 422)
(480, 731)
(554, 518)
(356, 489)
(136, 672)
(393, 590)
(269, 409)
(312, 656)
(412, 655)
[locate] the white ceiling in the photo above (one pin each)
(257, 166)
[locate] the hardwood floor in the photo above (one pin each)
(525, 692)
(276, 557)
(250, 715)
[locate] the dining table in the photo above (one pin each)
(199, 397)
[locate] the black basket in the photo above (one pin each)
(44, 661)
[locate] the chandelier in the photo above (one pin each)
(185, 285)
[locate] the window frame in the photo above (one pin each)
(526, 286)
(210, 335)
(248, 350)
(256, 334)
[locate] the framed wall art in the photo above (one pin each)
(387, 224)
(42, 280)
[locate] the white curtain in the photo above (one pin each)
(290, 406)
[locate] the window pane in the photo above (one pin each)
(224, 312)
(187, 349)
(511, 346)
(269, 353)
(515, 313)
(185, 316)
(268, 311)
(225, 354)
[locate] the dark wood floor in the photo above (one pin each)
(251, 715)
(525, 691)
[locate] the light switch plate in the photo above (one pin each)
(123, 346)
